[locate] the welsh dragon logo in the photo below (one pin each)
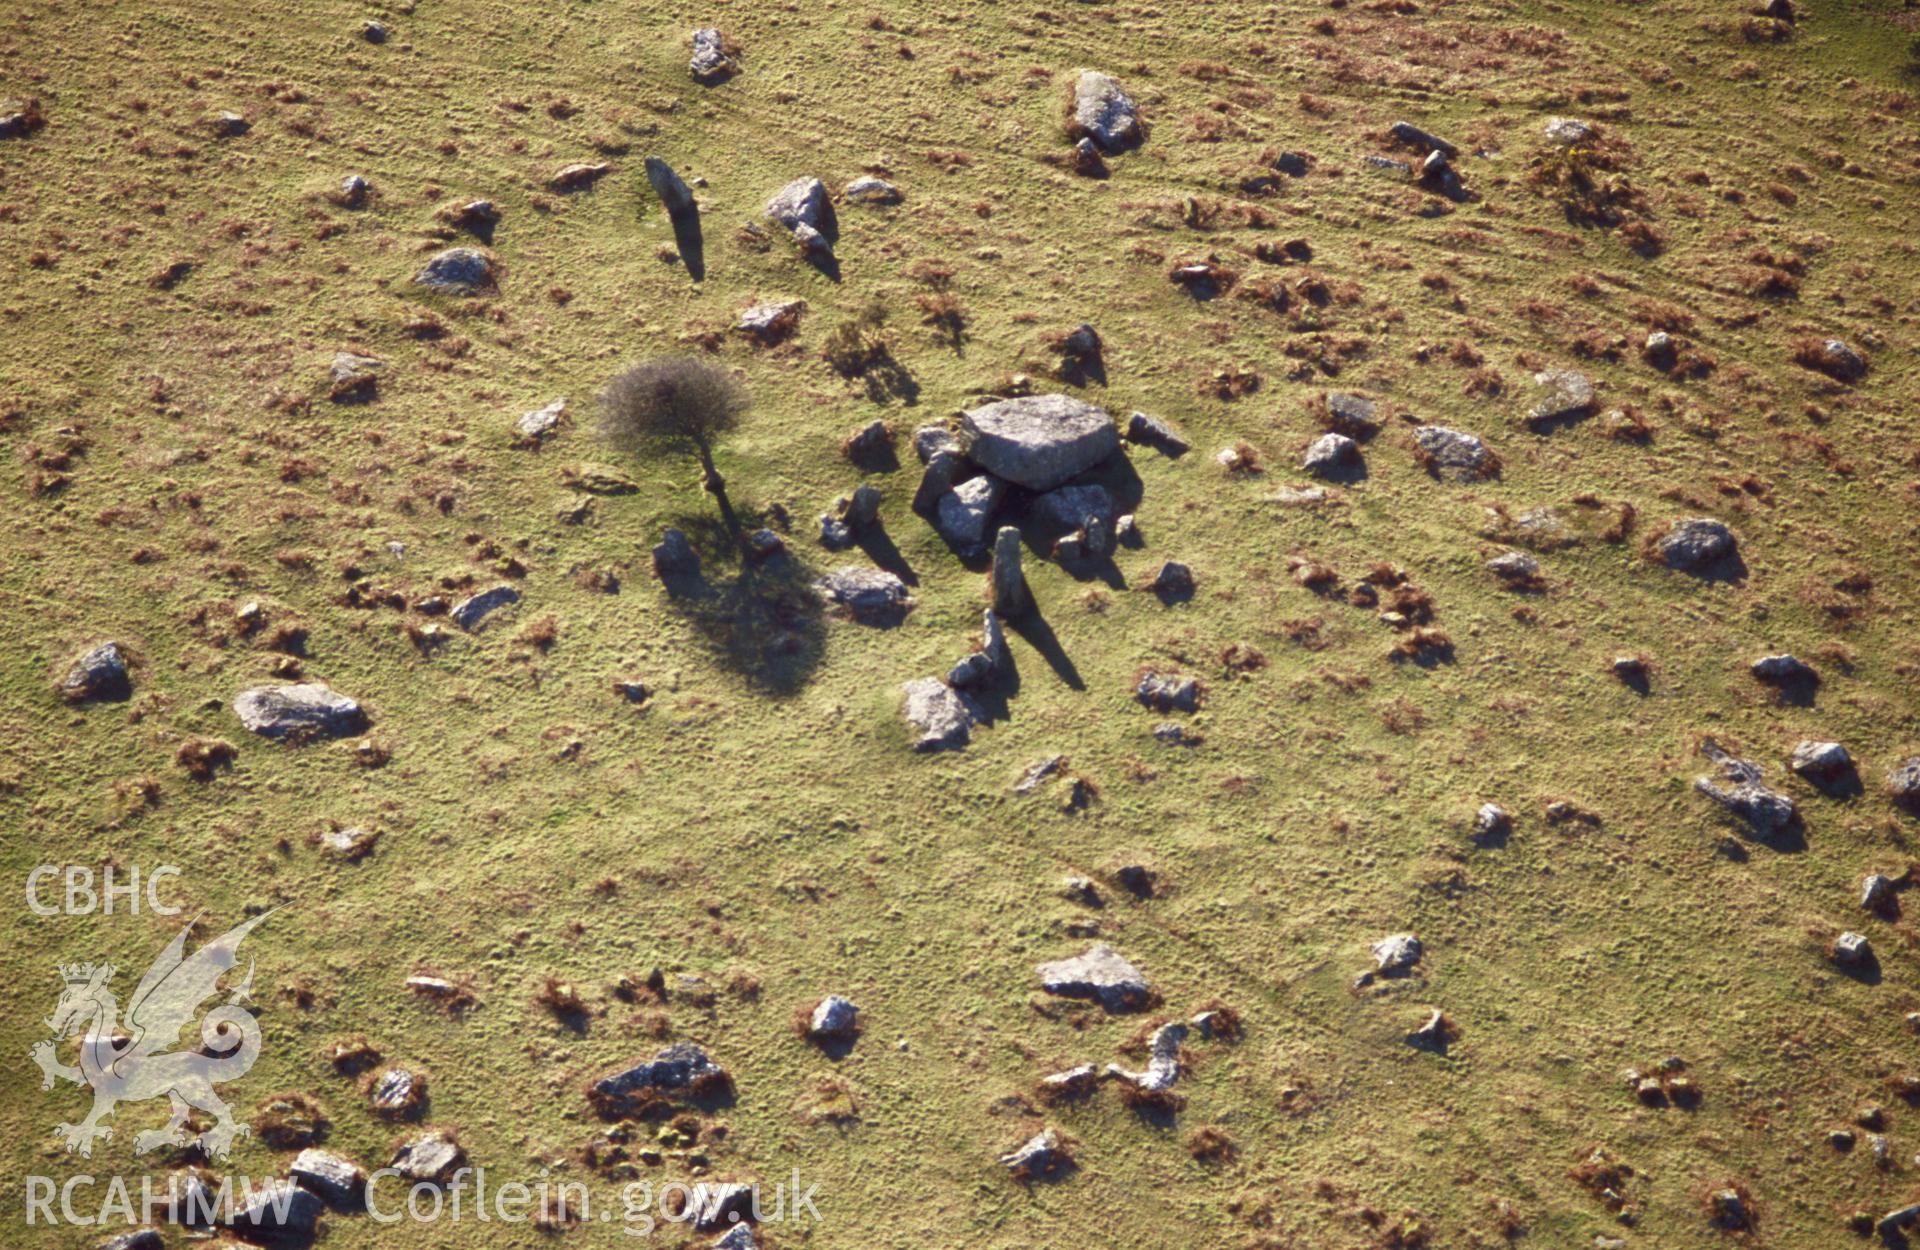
(139, 1063)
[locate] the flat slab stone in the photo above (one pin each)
(335, 1178)
(1038, 441)
(870, 596)
(1101, 974)
(297, 709)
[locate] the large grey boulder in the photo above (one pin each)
(1038, 441)
(802, 202)
(1821, 761)
(870, 596)
(99, 673)
(1454, 454)
(336, 1178)
(1560, 395)
(276, 1210)
(675, 196)
(1568, 131)
(833, 1017)
(1744, 795)
(1353, 415)
(681, 1068)
(963, 514)
(1101, 974)
(298, 710)
(942, 717)
(1697, 543)
(719, 1204)
(470, 613)
(457, 271)
(1168, 692)
(541, 424)
(1103, 112)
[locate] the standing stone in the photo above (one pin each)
(674, 556)
(675, 196)
(942, 467)
(1010, 595)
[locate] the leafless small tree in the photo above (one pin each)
(677, 405)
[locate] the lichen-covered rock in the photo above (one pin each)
(1697, 543)
(1903, 783)
(1568, 132)
(1163, 1061)
(579, 176)
(1454, 454)
(275, 1210)
(1329, 454)
(870, 596)
(1561, 395)
(1397, 953)
(99, 673)
(1040, 1155)
(802, 202)
(1764, 810)
(1104, 113)
(833, 1018)
(470, 613)
(300, 709)
(433, 1156)
(352, 378)
(541, 424)
(1101, 974)
(871, 191)
(457, 271)
(939, 714)
(772, 321)
(1142, 428)
(1824, 761)
(1170, 692)
(711, 61)
(1038, 441)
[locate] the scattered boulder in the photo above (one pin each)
(470, 613)
(1785, 670)
(20, 118)
(672, 190)
(99, 673)
(1329, 455)
(1491, 821)
(1169, 693)
(1852, 950)
(942, 717)
(537, 426)
(1568, 132)
(871, 191)
(1396, 954)
(834, 1019)
(1727, 1209)
(1154, 432)
(1072, 1083)
(457, 271)
(138, 1239)
(739, 1237)
(1453, 454)
(1435, 1034)
(353, 379)
(1764, 810)
(1352, 415)
(1516, 569)
(1163, 1061)
(802, 203)
(354, 191)
(351, 844)
(681, 1069)
(1038, 441)
(1903, 783)
(275, 1210)
(1425, 141)
(1876, 891)
(712, 1206)
(397, 1093)
(1101, 974)
(335, 1178)
(674, 556)
(713, 57)
(1836, 358)
(771, 322)
(1173, 582)
(871, 445)
(1697, 543)
(434, 1156)
(870, 596)
(1037, 775)
(1561, 395)
(1104, 113)
(579, 176)
(1821, 761)
(228, 124)
(1041, 1155)
(1660, 350)
(963, 514)
(298, 710)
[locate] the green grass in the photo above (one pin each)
(770, 824)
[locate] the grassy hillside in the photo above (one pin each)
(173, 300)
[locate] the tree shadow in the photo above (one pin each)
(1036, 633)
(763, 620)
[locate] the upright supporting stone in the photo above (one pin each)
(942, 468)
(1010, 595)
